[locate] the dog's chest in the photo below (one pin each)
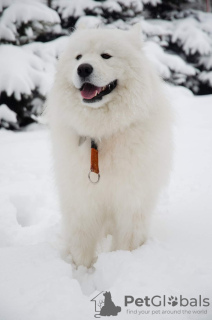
(114, 154)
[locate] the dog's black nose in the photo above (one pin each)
(84, 70)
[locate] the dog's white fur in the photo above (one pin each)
(132, 126)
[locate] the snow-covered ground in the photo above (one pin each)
(36, 284)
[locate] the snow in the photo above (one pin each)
(7, 3)
(21, 77)
(76, 8)
(35, 68)
(48, 54)
(73, 8)
(7, 114)
(206, 61)
(152, 2)
(37, 284)
(156, 27)
(191, 37)
(18, 13)
(206, 20)
(113, 5)
(164, 62)
(206, 77)
(88, 22)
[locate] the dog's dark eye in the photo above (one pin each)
(79, 56)
(105, 56)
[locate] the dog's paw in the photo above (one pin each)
(83, 260)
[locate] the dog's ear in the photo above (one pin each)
(136, 34)
(136, 29)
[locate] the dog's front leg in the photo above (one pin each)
(130, 231)
(81, 238)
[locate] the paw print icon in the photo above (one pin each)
(173, 301)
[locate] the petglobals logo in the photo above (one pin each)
(104, 305)
(164, 301)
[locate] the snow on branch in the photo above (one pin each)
(35, 68)
(157, 27)
(74, 8)
(206, 61)
(152, 2)
(164, 62)
(206, 77)
(6, 114)
(205, 20)
(190, 36)
(19, 13)
(22, 77)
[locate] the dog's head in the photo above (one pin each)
(103, 82)
(99, 62)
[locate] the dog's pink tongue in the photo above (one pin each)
(89, 91)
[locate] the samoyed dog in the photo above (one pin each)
(107, 111)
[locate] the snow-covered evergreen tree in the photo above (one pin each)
(186, 34)
(23, 80)
(177, 34)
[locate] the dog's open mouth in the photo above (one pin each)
(91, 93)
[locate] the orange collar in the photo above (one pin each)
(94, 161)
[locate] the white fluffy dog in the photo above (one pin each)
(106, 91)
